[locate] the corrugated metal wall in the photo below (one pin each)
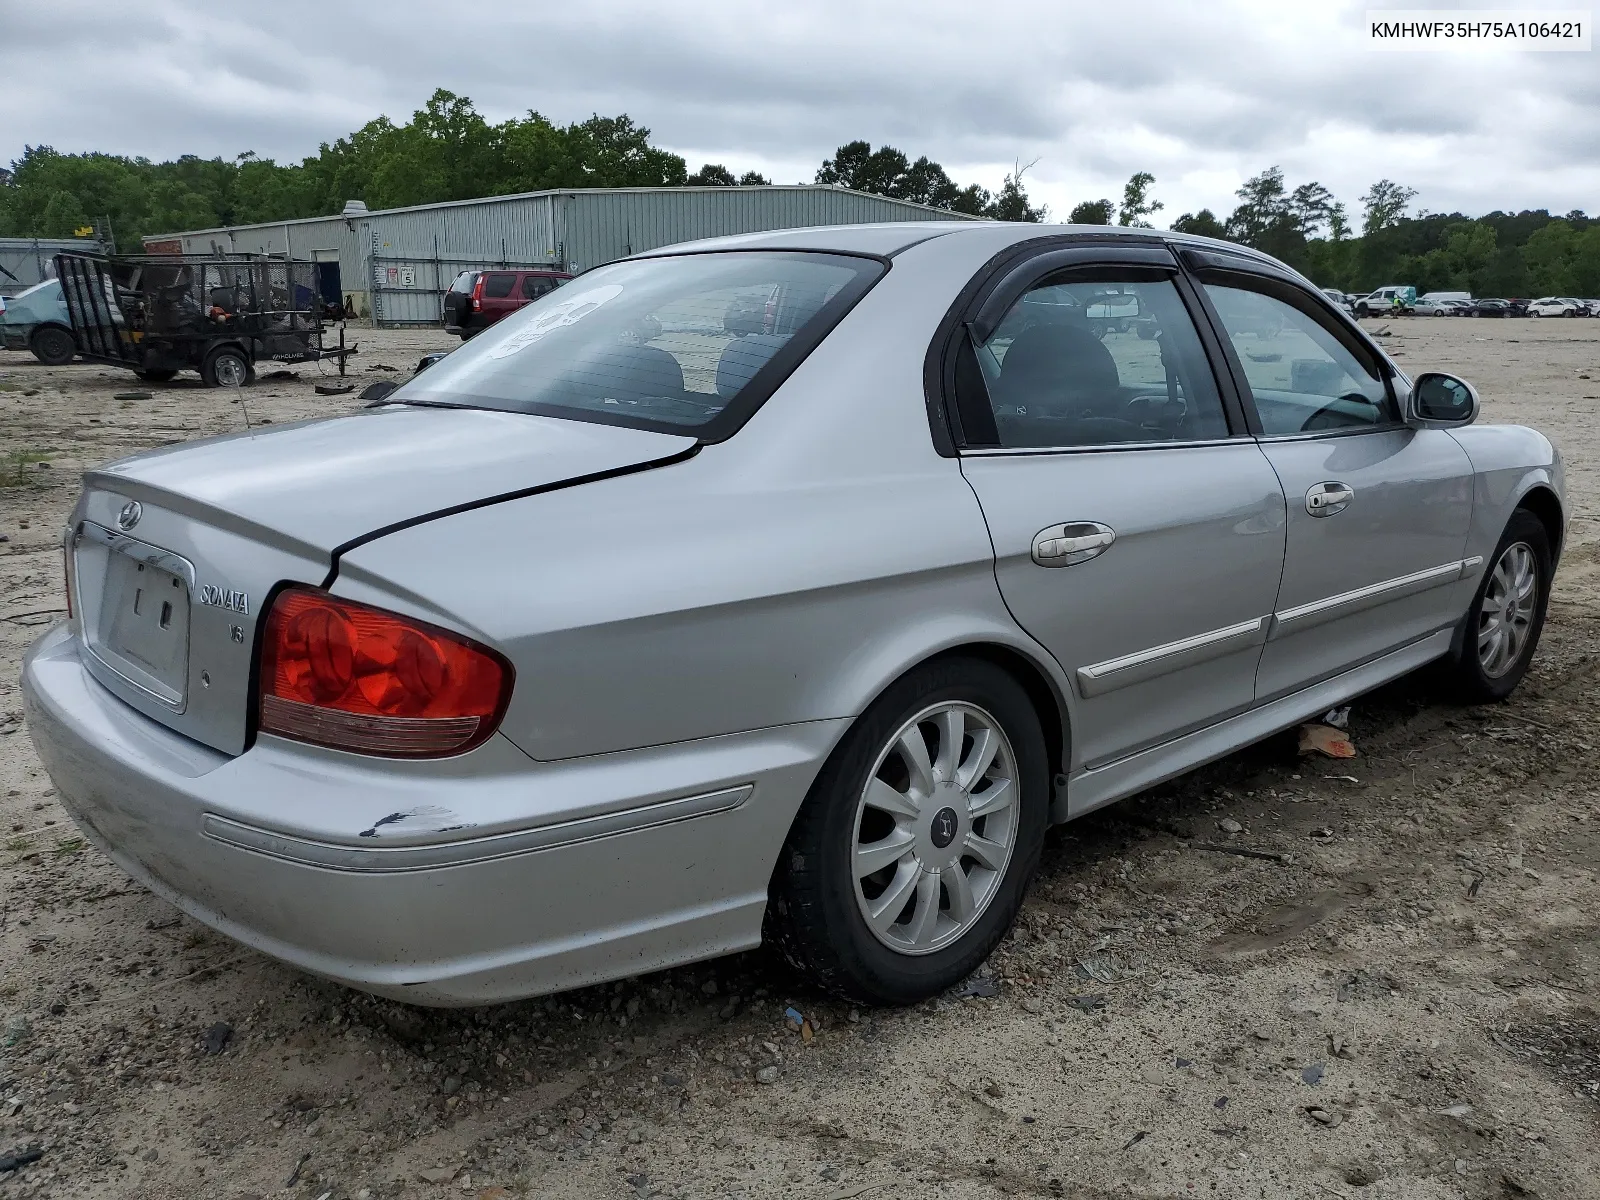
(396, 264)
(27, 261)
(605, 225)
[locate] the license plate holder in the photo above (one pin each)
(140, 627)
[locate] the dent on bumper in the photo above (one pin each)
(528, 877)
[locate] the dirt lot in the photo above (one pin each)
(1403, 1004)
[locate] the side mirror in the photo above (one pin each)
(1440, 401)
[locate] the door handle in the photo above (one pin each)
(1074, 542)
(1325, 499)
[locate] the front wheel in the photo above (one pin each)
(1507, 615)
(910, 857)
(53, 346)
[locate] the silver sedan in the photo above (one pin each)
(784, 586)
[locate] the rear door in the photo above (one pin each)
(1377, 512)
(500, 296)
(1138, 530)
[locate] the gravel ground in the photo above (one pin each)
(1402, 1003)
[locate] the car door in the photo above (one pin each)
(1377, 512)
(1138, 530)
(499, 296)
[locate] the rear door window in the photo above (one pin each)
(497, 286)
(534, 286)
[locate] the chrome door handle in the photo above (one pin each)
(1074, 542)
(1325, 499)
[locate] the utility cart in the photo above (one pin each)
(161, 314)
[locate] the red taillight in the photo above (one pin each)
(477, 294)
(343, 674)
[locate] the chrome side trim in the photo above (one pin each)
(1101, 677)
(1305, 616)
(1093, 787)
(1116, 447)
(384, 859)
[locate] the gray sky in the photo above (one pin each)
(1200, 94)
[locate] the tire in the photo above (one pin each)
(1473, 675)
(156, 374)
(53, 346)
(1363, 311)
(817, 913)
(227, 366)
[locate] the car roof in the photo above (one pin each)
(890, 238)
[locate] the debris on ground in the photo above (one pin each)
(1339, 718)
(1229, 826)
(982, 987)
(19, 1158)
(1325, 739)
(133, 395)
(334, 389)
(1312, 1075)
(216, 1039)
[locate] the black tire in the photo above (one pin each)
(1363, 311)
(227, 366)
(813, 916)
(1466, 678)
(156, 374)
(53, 346)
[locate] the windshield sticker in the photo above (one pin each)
(570, 311)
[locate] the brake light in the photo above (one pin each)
(477, 294)
(341, 674)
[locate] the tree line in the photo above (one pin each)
(1525, 254)
(449, 151)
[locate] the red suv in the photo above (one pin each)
(477, 299)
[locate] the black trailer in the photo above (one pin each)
(161, 314)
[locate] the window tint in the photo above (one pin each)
(534, 286)
(1304, 379)
(663, 343)
(1090, 362)
(498, 286)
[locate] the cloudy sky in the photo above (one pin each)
(1201, 95)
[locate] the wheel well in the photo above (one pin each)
(42, 326)
(1542, 503)
(1046, 702)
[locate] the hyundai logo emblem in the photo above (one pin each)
(129, 516)
(943, 830)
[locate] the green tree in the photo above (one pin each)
(1203, 223)
(754, 179)
(1091, 212)
(712, 175)
(1383, 205)
(886, 171)
(1136, 202)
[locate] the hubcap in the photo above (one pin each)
(935, 828)
(231, 371)
(1505, 619)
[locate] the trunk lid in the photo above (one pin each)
(176, 551)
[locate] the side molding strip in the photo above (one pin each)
(471, 850)
(1098, 678)
(1331, 608)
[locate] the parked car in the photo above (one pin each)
(1440, 308)
(1464, 297)
(477, 299)
(1517, 308)
(600, 645)
(1492, 308)
(1386, 300)
(1584, 308)
(37, 320)
(1555, 306)
(1341, 299)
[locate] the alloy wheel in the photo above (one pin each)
(1505, 618)
(935, 828)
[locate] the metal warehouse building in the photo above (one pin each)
(395, 264)
(27, 261)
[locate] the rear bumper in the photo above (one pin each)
(463, 881)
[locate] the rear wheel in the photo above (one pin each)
(227, 366)
(53, 346)
(1507, 615)
(910, 857)
(156, 374)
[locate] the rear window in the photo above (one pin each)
(463, 282)
(497, 286)
(683, 344)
